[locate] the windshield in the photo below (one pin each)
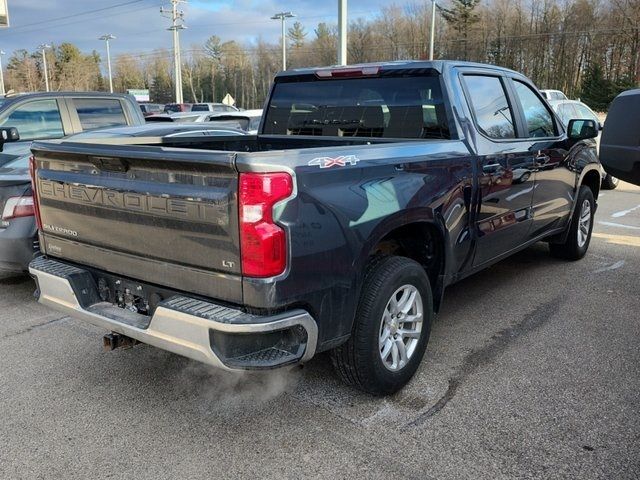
(173, 108)
(186, 118)
(388, 106)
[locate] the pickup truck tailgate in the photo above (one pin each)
(166, 216)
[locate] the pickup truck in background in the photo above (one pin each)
(37, 116)
(368, 190)
(53, 115)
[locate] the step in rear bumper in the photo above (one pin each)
(180, 324)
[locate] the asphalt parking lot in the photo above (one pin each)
(533, 371)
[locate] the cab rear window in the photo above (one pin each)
(385, 106)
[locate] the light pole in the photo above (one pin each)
(42, 47)
(176, 17)
(2, 92)
(342, 32)
(433, 28)
(106, 39)
(282, 16)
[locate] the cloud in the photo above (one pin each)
(139, 27)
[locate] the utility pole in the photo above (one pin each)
(2, 92)
(433, 28)
(43, 47)
(176, 16)
(282, 16)
(106, 39)
(342, 32)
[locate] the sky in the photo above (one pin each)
(140, 28)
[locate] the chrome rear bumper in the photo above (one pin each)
(187, 326)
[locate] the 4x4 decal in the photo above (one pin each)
(328, 162)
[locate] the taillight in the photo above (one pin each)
(16, 207)
(32, 173)
(263, 244)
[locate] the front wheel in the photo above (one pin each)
(609, 182)
(577, 242)
(391, 328)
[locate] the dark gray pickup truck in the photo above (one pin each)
(367, 191)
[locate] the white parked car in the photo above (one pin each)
(570, 109)
(552, 95)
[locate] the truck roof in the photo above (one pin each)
(438, 65)
(18, 96)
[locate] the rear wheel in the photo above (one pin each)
(391, 328)
(577, 242)
(609, 182)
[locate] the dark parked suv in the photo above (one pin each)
(620, 145)
(41, 116)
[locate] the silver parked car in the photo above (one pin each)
(213, 107)
(245, 120)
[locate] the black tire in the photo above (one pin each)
(572, 249)
(359, 361)
(609, 182)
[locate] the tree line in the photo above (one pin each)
(586, 48)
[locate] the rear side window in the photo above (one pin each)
(34, 120)
(490, 106)
(387, 106)
(99, 112)
(539, 118)
(200, 108)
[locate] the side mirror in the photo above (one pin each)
(8, 134)
(579, 129)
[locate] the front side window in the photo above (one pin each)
(538, 117)
(39, 119)
(99, 112)
(490, 106)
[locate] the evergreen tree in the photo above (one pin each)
(297, 35)
(596, 90)
(161, 89)
(461, 16)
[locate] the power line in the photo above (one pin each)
(309, 50)
(78, 14)
(253, 22)
(84, 20)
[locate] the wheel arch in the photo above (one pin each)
(591, 178)
(422, 239)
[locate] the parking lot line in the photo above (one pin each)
(619, 225)
(619, 239)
